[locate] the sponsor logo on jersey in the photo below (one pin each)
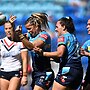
(62, 78)
(61, 39)
(44, 36)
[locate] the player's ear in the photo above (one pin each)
(64, 27)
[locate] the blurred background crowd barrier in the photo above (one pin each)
(79, 10)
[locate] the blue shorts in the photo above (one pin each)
(9, 75)
(43, 79)
(71, 78)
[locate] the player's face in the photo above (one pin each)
(59, 29)
(9, 30)
(88, 26)
(32, 29)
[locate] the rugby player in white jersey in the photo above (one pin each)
(13, 56)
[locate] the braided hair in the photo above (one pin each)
(38, 19)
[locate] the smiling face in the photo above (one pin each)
(32, 29)
(59, 28)
(88, 26)
(9, 30)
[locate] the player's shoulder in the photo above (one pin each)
(88, 41)
(44, 34)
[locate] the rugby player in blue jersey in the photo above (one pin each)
(67, 54)
(42, 75)
(85, 51)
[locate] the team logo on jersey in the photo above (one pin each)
(68, 43)
(61, 39)
(44, 36)
(47, 83)
(41, 79)
(62, 78)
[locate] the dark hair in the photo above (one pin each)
(38, 19)
(12, 24)
(68, 22)
(16, 36)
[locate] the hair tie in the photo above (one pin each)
(67, 17)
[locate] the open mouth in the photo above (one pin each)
(8, 33)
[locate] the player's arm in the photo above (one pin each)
(36, 43)
(29, 45)
(84, 52)
(22, 37)
(58, 53)
(24, 55)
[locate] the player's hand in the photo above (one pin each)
(18, 30)
(24, 80)
(82, 85)
(38, 50)
(82, 51)
(12, 18)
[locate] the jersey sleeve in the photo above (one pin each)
(22, 47)
(43, 36)
(86, 45)
(61, 41)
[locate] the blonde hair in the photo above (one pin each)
(38, 19)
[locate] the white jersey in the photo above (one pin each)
(10, 55)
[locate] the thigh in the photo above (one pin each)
(72, 79)
(36, 87)
(57, 86)
(4, 84)
(14, 83)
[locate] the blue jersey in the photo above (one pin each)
(71, 56)
(41, 63)
(86, 47)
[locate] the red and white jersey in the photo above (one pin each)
(10, 56)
